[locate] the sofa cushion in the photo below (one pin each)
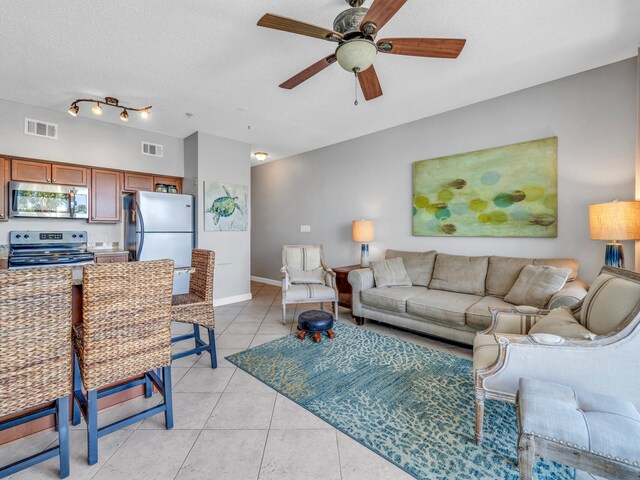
(419, 265)
(446, 307)
(536, 285)
(610, 301)
(478, 314)
(459, 273)
(394, 299)
(390, 273)
(485, 351)
(561, 321)
(309, 291)
(503, 273)
(570, 263)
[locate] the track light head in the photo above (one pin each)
(73, 110)
(124, 116)
(96, 109)
(144, 113)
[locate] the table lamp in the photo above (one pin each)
(362, 232)
(615, 221)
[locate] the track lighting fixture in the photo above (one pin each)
(110, 102)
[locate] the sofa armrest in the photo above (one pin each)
(510, 321)
(569, 295)
(361, 279)
(285, 278)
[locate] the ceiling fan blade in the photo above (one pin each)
(379, 14)
(309, 72)
(423, 47)
(369, 83)
(285, 24)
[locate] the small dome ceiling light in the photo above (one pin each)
(109, 102)
(261, 156)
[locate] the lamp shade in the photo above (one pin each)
(615, 221)
(362, 231)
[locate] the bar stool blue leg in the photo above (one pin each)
(196, 336)
(92, 426)
(62, 420)
(77, 387)
(148, 387)
(168, 398)
(212, 349)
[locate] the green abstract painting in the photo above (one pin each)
(509, 191)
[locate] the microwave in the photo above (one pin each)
(44, 200)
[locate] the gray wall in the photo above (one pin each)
(593, 114)
(213, 158)
(86, 142)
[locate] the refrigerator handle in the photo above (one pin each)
(141, 231)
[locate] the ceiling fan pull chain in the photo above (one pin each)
(355, 72)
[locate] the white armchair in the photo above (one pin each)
(306, 278)
(608, 362)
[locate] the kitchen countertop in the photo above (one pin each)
(107, 251)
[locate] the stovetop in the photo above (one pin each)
(29, 248)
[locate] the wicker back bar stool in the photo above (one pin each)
(35, 355)
(196, 307)
(125, 333)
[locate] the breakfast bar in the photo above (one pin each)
(106, 402)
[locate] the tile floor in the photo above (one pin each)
(228, 425)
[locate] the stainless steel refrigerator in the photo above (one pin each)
(161, 225)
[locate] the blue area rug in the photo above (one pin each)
(410, 404)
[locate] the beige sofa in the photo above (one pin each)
(451, 294)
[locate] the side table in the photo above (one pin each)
(344, 287)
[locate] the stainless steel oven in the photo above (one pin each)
(48, 201)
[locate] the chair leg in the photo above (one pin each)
(196, 336)
(526, 456)
(92, 426)
(479, 415)
(62, 420)
(77, 386)
(212, 350)
(321, 305)
(148, 387)
(284, 313)
(168, 398)
(335, 310)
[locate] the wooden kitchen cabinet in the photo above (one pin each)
(4, 190)
(68, 175)
(137, 182)
(177, 181)
(106, 196)
(29, 171)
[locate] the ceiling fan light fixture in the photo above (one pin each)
(357, 54)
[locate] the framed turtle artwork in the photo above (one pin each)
(226, 207)
(509, 191)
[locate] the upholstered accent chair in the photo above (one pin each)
(306, 278)
(598, 352)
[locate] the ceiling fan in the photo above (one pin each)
(355, 30)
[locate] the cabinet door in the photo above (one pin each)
(29, 171)
(106, 196)
(4, 188)
(119, 257)
(136, 182)
(69, 175)
(177, 181)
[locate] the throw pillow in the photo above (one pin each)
(311, 277)
(536, 285)
(390, 273)
(561, 321)
(460, 274)
(419, 265)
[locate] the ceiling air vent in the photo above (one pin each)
(40, 129)
(153, 149)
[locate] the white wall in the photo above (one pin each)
(86, 142)
(223, 160)
(593, 114)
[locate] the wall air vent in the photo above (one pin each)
(40, 129)
(152, 149)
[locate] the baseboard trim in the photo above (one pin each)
(268, 281)
(218, 302)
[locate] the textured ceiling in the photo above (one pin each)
(210, 59)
